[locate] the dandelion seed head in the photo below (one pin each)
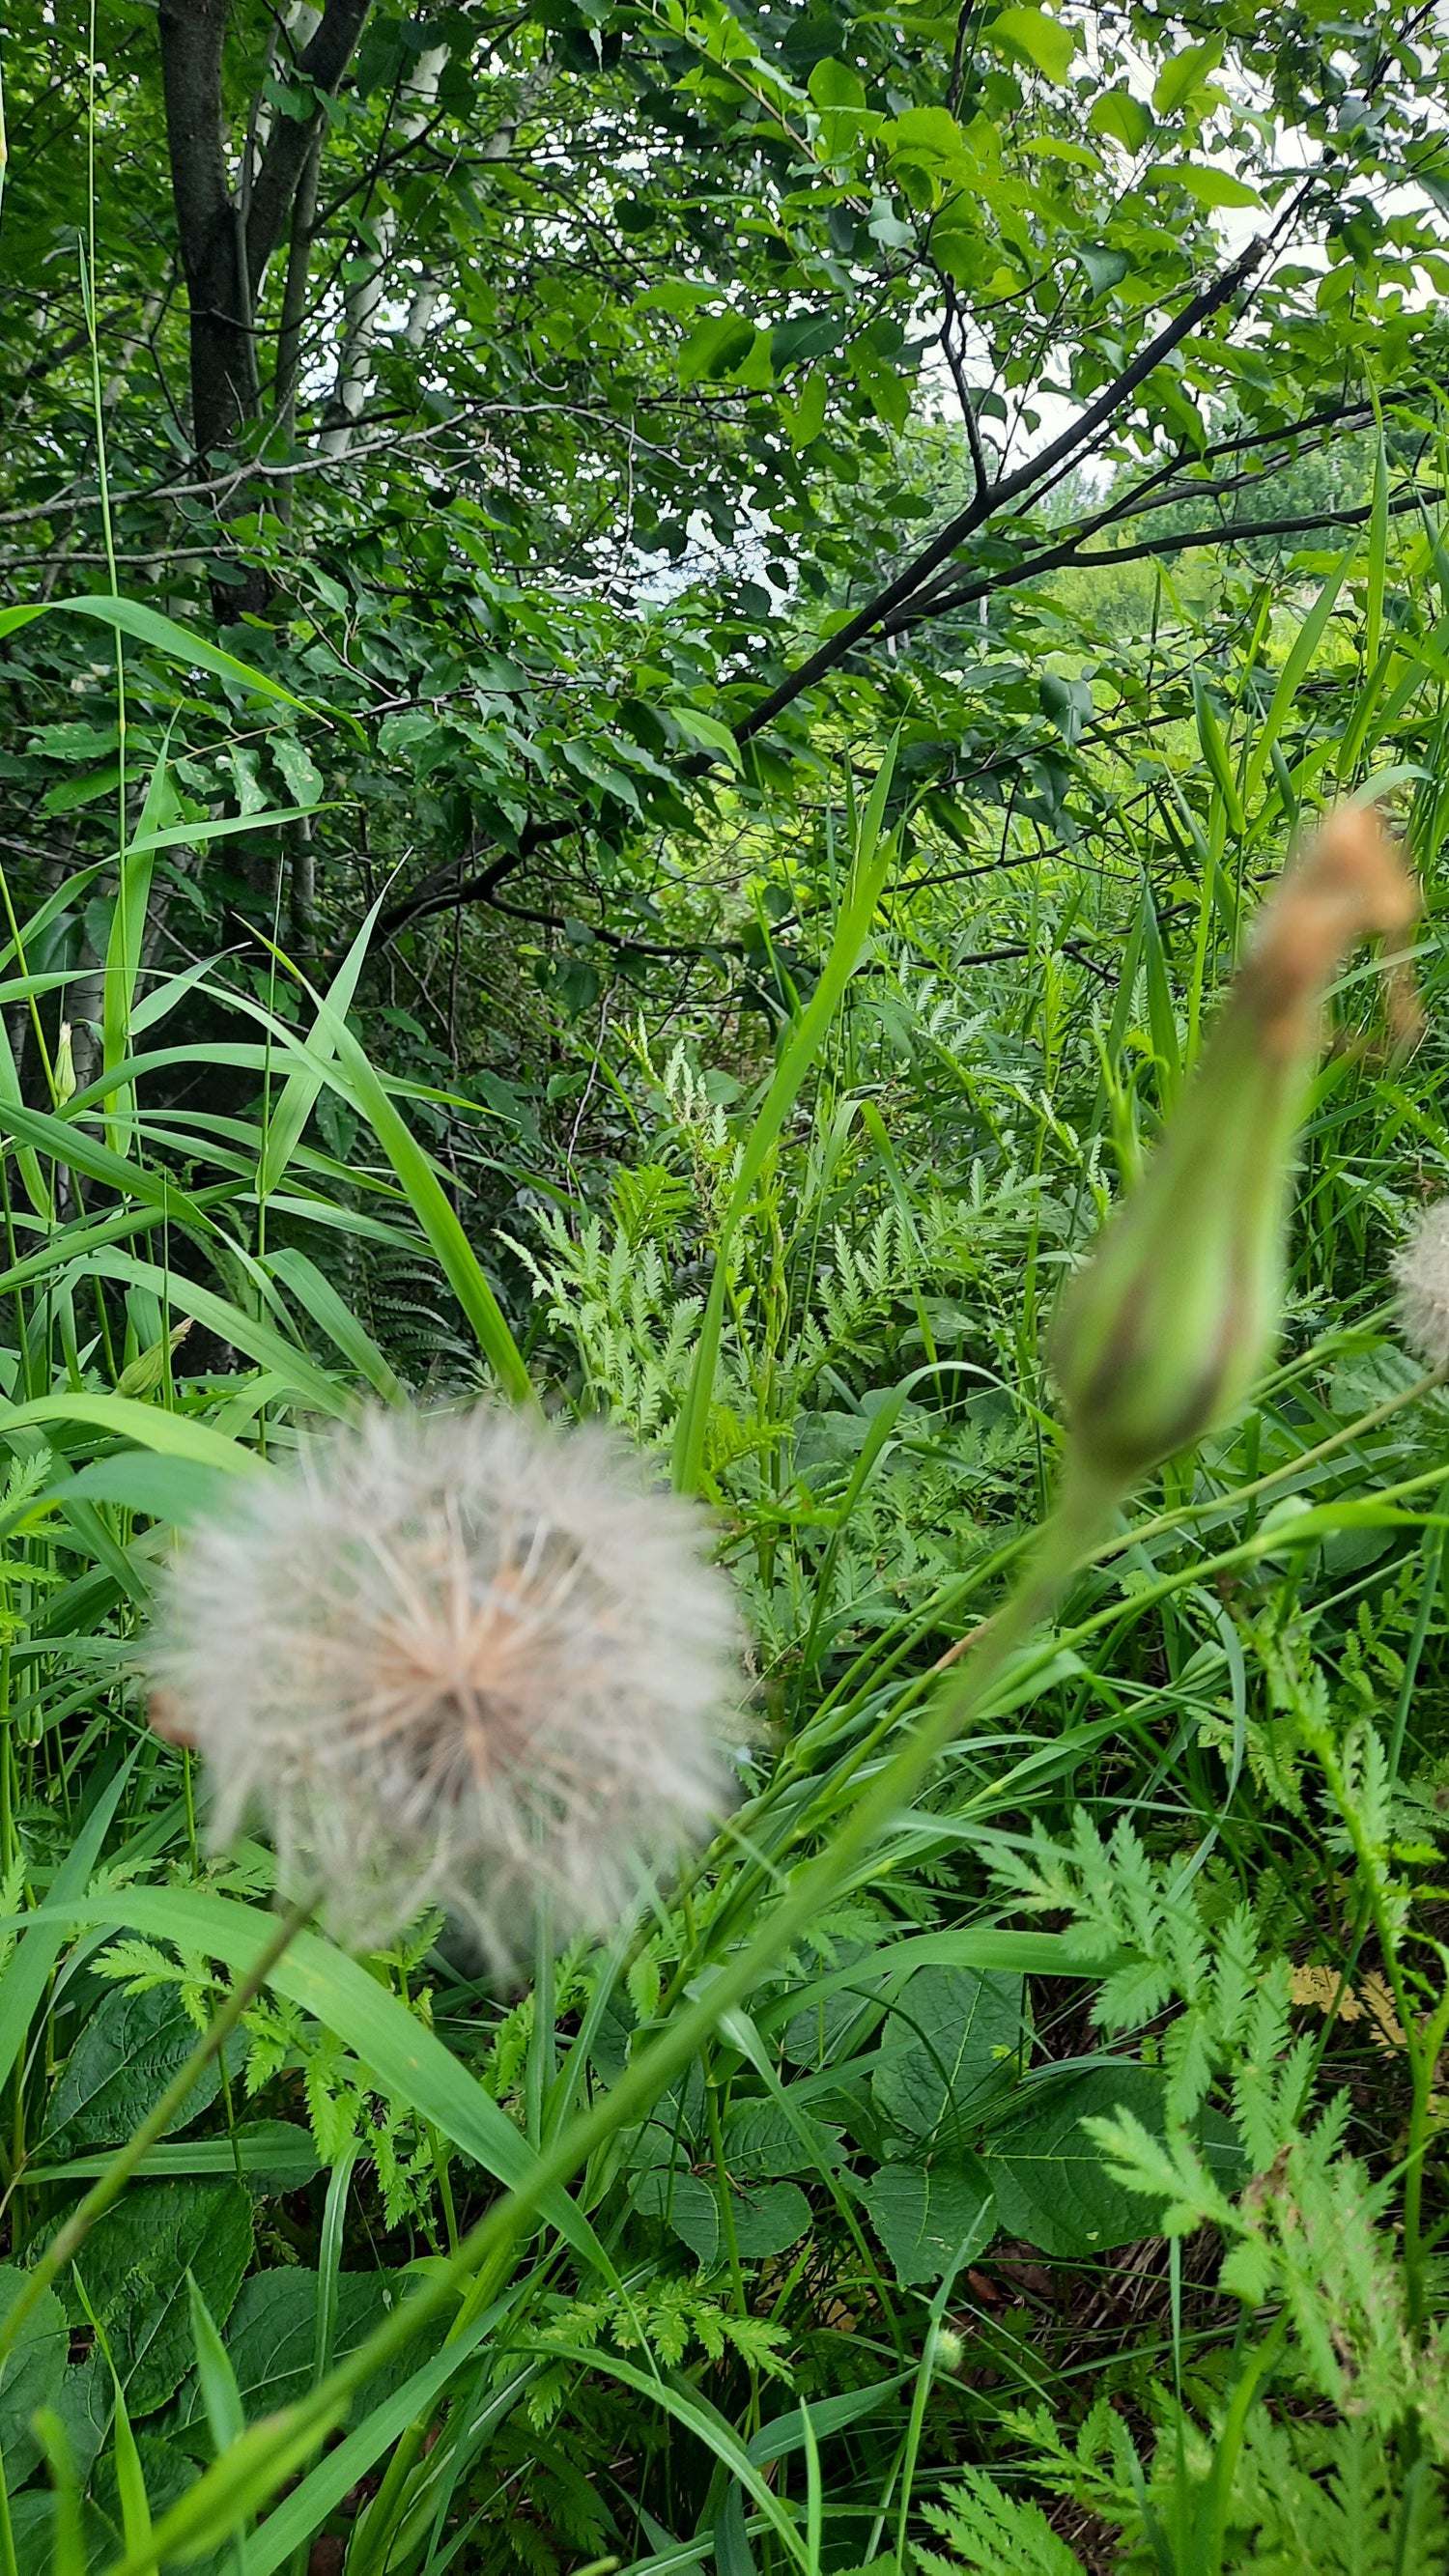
(455, 1659)
(1422, 1272)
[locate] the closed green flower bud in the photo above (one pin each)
(1160, 1335)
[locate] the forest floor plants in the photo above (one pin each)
(867, 2169)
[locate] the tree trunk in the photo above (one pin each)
(213, 258)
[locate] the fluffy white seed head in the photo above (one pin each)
(459, 1659)
(1422, 1271)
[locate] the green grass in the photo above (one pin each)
(963, 2160)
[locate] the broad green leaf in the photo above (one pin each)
(1031, 36)
(127, 2052)
(835, 84)
(270, 2337)
(31, 2375)
(714, 347)
(1052, 2186)
(137, 2256)
(762, 2144)
(1204, 181)
(306, 2508)
(952, 2037)
(931, 2218)
(767, 2217)
(1122, 117)
(1184, 74)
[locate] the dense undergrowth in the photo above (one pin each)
(1069, 2193)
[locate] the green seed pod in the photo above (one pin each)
(1160, 1335)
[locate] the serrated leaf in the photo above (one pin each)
(31, 2376)
(137, 2257)
(126, 2055)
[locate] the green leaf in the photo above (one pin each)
(250, 1334)
(276, 2156)
(708, 730)
(833, 84)
(28, 1974)
(1185, 74)
(407, 2058)
(175, 1434)
(1051, 2185)
(1123, 118)
(761, 2143)
(137, 2257)
(1105, 268)
(953, 2035)
(1203, 181)
(322, 1302)
(767, 2217)
(931, 2218)
(31, 2375)
(1213, 187)
(271, 2335)
(301, 2513)
(1033, 37)
(288, 1117)
(715, 346)
(872, 859)
(179, 1490)
(298, 768)
(123, 949)
(430, 1204)
(147, 626)
(127, 2053)
(216, 2380)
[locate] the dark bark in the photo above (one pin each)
(225, 244)
(222, 339)
(323, 64)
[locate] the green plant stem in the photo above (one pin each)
(153, 2128)
(1230, 2440)
(268, 2451)
(1425, 2057)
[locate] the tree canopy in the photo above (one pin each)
(604, 417)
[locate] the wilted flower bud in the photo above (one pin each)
(454, 1659)
(1159, 1337)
